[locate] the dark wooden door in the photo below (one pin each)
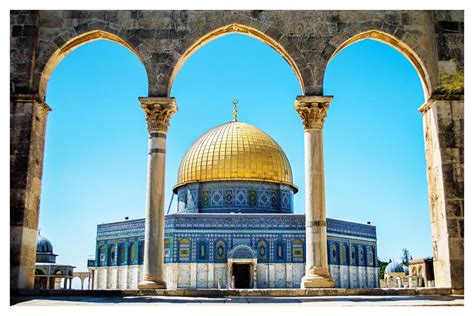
(242, 276)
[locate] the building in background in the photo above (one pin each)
(234, 226)
(421, 272)
(48, 273)
(395, 275)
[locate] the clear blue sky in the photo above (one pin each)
(96, 143)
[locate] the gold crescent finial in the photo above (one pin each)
(235, 101)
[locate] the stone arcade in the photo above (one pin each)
(234, 226)
(431, 40)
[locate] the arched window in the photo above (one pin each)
(362, 255)
(112, 254)
(102, 255)
(132, 253)
(121, 254)
(184, 249)
(353, 255)
(371, 256)
(280, 250)
(220, 254)
(202, 251)
(141, 251)
(333, 253)
(344, 254)
(262, 251)
(297, 250)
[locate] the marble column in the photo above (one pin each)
(312, 110)
(158, 112)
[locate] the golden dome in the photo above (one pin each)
(235, 151)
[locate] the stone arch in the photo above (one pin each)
(59, 272)
(229, 29)
(242, 252)
(397, 44)
(68, 46)
(39, 271)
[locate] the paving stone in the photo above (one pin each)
(439, 300)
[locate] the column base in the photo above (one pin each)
(319, 278)
(146, 285)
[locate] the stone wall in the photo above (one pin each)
(164, 39)
(354, 277)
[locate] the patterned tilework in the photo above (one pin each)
(209, 238)
(241, 197)
(134, 227)
(297, 250)
(217, 198)
(264, 199)
(229, 197)
(285, 200)
(235, 196)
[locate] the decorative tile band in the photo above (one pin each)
(157, 150)
(208, 238)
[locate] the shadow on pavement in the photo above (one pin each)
(56, 300)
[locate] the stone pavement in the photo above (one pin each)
(435, 300)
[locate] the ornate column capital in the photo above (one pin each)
(312, 110)
(158, 111)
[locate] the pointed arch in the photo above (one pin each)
(71, 45)
(400, 46)
(235, 28)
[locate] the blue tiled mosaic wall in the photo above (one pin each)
(235, 196)
(209, 237)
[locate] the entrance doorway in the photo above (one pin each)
(241, 274)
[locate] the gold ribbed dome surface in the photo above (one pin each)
(235, 151)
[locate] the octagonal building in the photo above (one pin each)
(235, 225)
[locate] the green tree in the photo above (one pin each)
(382, 265)
(406, 257)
